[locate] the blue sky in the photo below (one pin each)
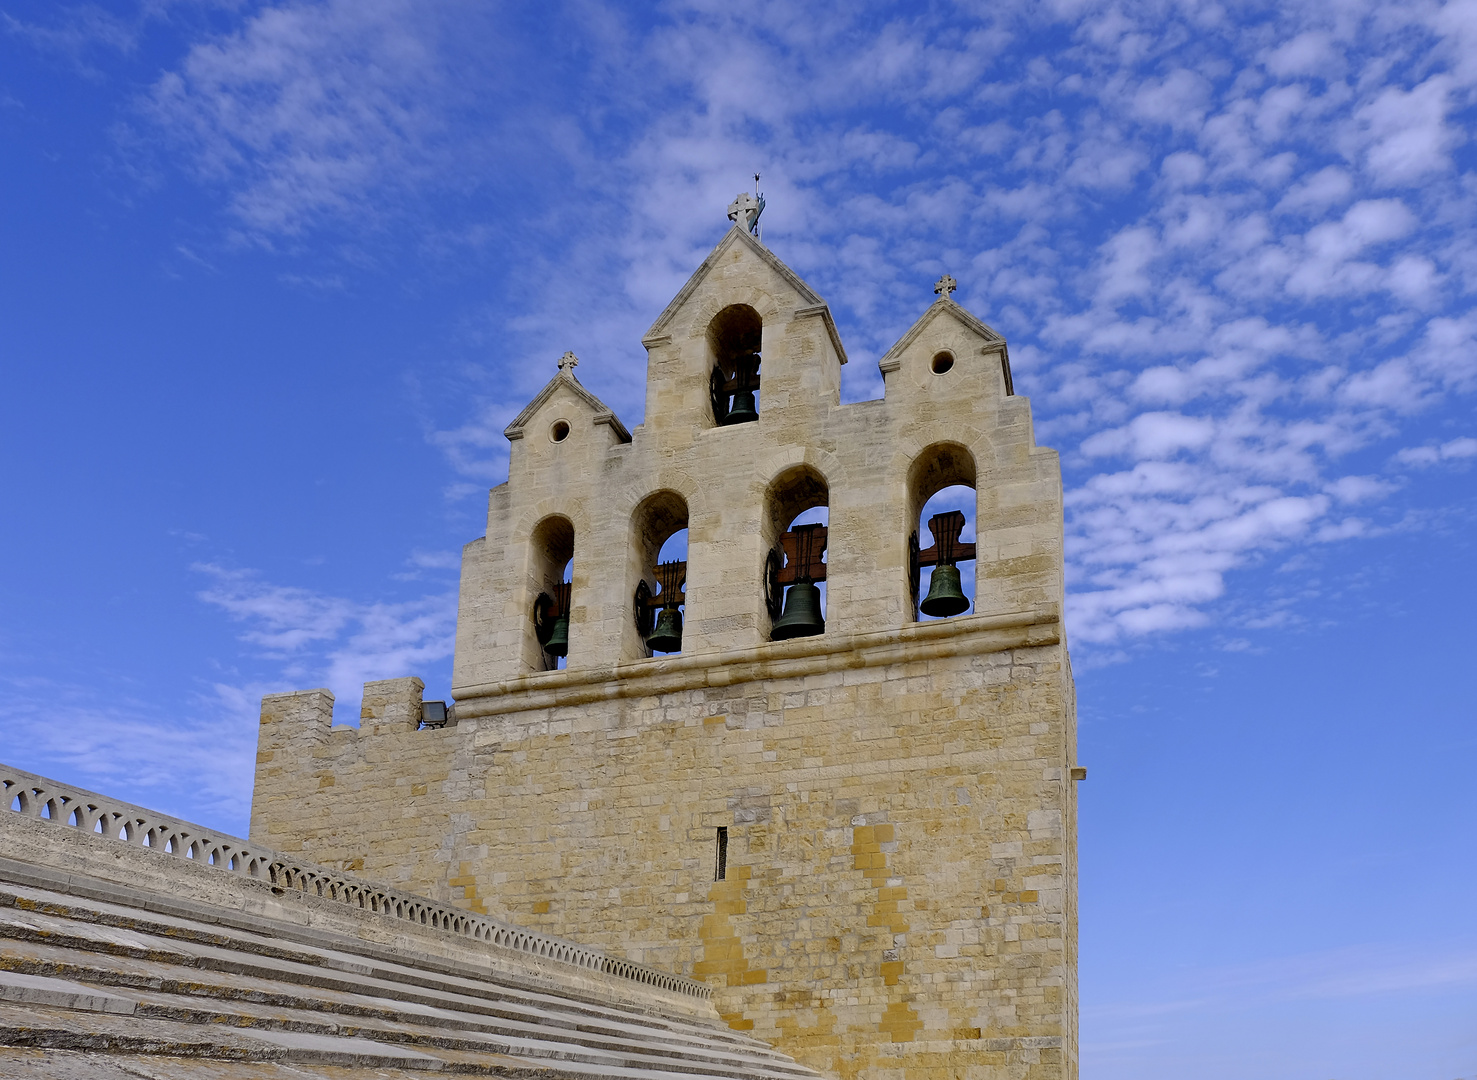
(273, 278)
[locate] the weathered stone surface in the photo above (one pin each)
(900, 896)
(41, 990)
(97, 989)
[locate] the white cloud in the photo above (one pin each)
(1326, 187)
(329, 641)
(1179, 99)
(1152, 435)
(1462, 449)
(1309, 53)
(310, 112)
(198, 754)
(1357, 489)
(1406, 131)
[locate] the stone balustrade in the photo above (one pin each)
(39, 797)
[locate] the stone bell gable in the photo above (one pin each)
(579, 490)
(804, 761)
(801, 349)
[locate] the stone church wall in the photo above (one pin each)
(900, 861)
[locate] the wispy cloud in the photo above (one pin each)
(1456, 450)
(315, 113)
(193, 757)
(1335, 975)
(317, 640)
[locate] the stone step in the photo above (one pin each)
(199, 1006)
(43, 1028)
(112, 979)
(166, 991)
(120, 931)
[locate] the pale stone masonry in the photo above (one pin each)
(900, 891)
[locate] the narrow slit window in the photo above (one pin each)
(720, 865)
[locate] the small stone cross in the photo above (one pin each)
(945, 285)
(745, 209)
(568, 362)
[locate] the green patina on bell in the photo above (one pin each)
(802, 616)
(744, 410)
(746, 380)
(667, 637)
(558, 644)
(945, 594)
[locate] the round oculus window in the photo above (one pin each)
(942, 362)
(560, 431)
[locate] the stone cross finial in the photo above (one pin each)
(568, 362)
(945, 285)
(745, 209)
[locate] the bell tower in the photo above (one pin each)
(824, 757)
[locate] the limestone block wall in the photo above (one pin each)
(900, 881)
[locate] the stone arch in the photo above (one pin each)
(551, 545)
(792, 490)
(735, 341)
(934, 468)
(655, 519)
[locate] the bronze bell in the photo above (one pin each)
(558, 643)
(744, 410)
(667, 637)
(745, 407)
(802, 615)
(945, 594)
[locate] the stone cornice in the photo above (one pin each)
(962, 636)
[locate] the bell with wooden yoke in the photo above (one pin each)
(667, 636)
(551, 620)
(800, 568)
(746, 380)
(945, 591)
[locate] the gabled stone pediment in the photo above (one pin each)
(600, 413)
(944, 307)
(811, 302)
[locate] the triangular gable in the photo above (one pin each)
(603, 414)
(945, 306)
(814, 305)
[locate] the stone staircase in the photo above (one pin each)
(121, 961)
(135, 993)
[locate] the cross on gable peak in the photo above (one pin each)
(745, 209)
(944, 286)
(568, 362)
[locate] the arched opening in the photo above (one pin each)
(659, 553)
(941, 548)
(735, 337)
(796, 534)
(551, 577)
